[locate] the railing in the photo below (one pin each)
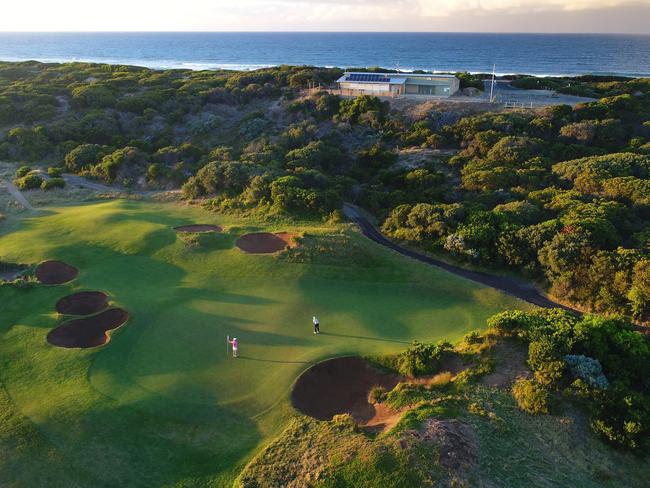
(351, 93)
(517, 104)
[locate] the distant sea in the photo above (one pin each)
(538, 54)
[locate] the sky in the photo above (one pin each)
(600, 16)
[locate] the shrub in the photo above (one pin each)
(405, 394)
(531, 397)
(84, 156)
(54, 172)
(29, 182)
(377, 394)
(23, 171)
(421, 358)
(52, 183)
(473, 337)
(587, 369)
(621, 417)
(125, 159)
(508, 322)
(545, 360)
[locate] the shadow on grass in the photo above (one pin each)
(365, 338)
(248, 358)
(155, 441)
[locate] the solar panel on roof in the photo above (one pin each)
(368, 77)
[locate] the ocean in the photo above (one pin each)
(537, 54)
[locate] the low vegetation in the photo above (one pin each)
(559, 194)
(531, 397)
(601, 361)
(456, 430)
(417, 360)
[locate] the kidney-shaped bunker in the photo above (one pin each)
(339, 385)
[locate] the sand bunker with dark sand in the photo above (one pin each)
(55, 272)
(337, 386)
(265, 242)
(198, 228)
(88, 331)
(83, 303)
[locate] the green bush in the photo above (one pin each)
(83, 156)
(545, 359)
(23, 171)
(53, 183)
(54, 172)
(418, 359)
(531, 397)
(29, 182)
(622, 417)
(377, 394)
(510, 322)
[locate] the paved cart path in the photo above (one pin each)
(508, 285)
(76, 180)
(15, 192)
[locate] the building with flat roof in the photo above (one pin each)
(393, 84)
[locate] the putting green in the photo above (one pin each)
(162, 403)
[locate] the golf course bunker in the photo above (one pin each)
(198, 228)
(265, 242)
(89, 331)
(82, 303)
(339, 385)
(55, 272)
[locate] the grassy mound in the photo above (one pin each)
(463, 432)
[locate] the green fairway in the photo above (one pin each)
(162, 403)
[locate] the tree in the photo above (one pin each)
(29, 182)
(317, 155)
(513, 150)
(352, 110)
(84, 156)
(124, 160)
(21, 143)
(545, 358)
(639, 294)
(220, 177)
(94, 95)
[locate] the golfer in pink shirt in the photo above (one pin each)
(234, 344)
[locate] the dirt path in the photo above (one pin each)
(508, 285)
(15, 192)
(76, 180)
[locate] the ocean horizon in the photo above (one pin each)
(518, 53)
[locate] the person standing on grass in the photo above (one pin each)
(234, 344)
(316, 325)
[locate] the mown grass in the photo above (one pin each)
(162, 403)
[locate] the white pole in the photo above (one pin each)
(227, 345)
(494, 68)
